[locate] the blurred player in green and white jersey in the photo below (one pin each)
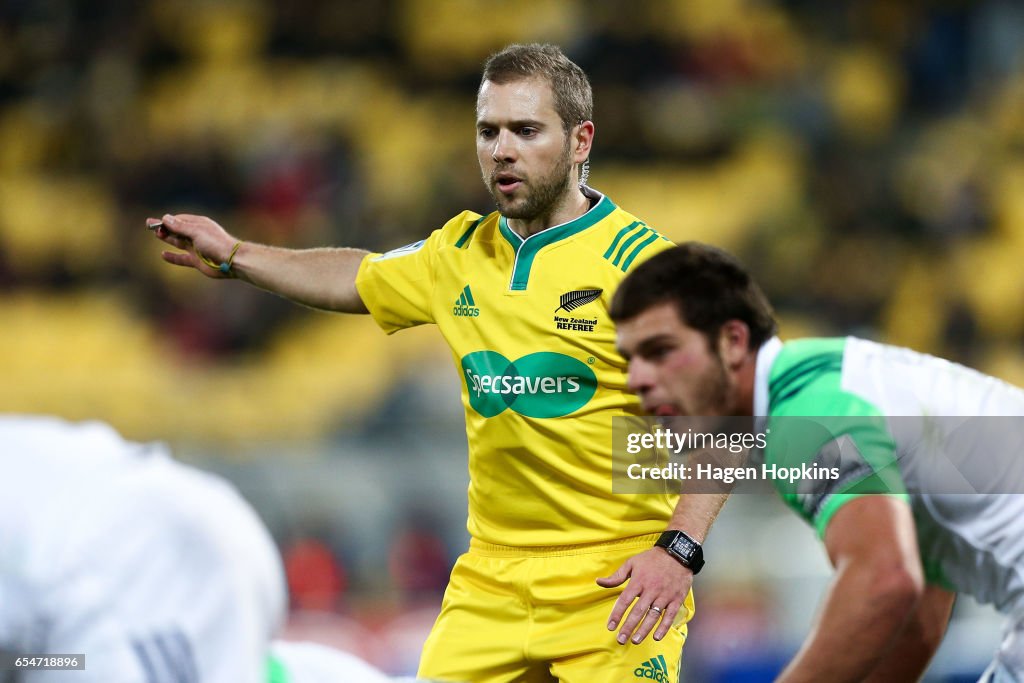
(302, 662)
(521, 295)
(154, 570)
(700, 338)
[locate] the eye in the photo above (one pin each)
(657, 353)
(486, 133)
(528, 131)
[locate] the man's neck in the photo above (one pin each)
(573, 205)
(745, 386)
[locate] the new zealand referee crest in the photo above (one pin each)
(569, 302)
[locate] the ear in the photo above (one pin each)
(734, 343)
(583, 140)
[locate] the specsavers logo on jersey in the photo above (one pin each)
(543, 384)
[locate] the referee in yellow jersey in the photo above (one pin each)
(563, 580)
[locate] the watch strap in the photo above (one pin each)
(681, 546)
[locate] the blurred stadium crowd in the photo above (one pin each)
(866, 158)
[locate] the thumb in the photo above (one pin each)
(620, 575)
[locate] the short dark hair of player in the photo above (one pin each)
(708, 286)
(574, 100)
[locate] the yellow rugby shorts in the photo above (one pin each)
(537, 614)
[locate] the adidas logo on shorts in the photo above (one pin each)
(654, 669)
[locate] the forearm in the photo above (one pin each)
(696, 512)
(863, 614)
(909, 656)
(321, 278)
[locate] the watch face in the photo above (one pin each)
(683, 546)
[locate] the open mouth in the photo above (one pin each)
(507, 183)
(666, 410)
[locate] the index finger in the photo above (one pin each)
(159, 227)
(172, 238)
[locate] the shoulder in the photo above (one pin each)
(457, 232)
(623, 240)
(29, 437)
(460, 230)
(804, 367)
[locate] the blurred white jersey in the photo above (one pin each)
(964, 476)
(948, 438)
(314, 663)
(155, 571)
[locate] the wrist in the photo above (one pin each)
(225, 265)
(683, 548)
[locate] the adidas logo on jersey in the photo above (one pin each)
(654, 669)
(465, 307)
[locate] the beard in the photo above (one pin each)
(714, 385)
(707, 411)
(541, 195)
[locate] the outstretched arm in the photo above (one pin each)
(878, 584)
(320, 278)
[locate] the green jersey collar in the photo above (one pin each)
(526, 249)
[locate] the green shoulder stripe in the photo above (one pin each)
(794, 378)
(622, 252)
(469, 233)
(618, 238)
(640, 247)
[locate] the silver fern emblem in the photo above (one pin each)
(570, 301)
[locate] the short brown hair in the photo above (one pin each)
(574, 100)
(708, 287)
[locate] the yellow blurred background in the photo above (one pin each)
(865, 158)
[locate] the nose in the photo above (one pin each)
(640, 378)
(504, 147)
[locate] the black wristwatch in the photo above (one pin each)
(679, 545)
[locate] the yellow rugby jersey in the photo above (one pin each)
(527, 322)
